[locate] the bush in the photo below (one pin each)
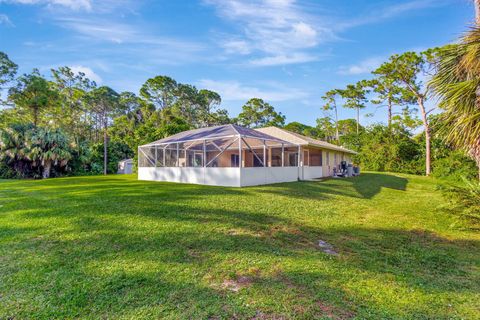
(455, 167)
(465, 198)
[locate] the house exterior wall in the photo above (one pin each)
(267, 175)
(227, 177)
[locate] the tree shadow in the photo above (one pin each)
(365, 186)
(163, 250)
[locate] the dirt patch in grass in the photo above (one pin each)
(267, 316)
(333, 312)
(237, 284)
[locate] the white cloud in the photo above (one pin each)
(237, 47)
(283, 59)
(70, 4)
(89, 73)
(236, 91)
(111, 31)
(5, 20)
(378, 14)
(278, 29)
(365, 66)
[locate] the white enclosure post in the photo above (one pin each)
(164, 157)
(156, 156)
(204, 153)
(178, 156)
(283, 155)
(264, 154)
(240, 160)
(299, 156)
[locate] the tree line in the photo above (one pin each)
(67, 124)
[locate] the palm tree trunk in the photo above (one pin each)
(358, 119)
(336, 125)
(427, 136)
(47, 167)
(475, 154)
(389, 113)
(105, 149)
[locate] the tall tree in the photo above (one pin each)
(33, 95)
(330, 99)
(457, 84)
(209, 102)
(389, 94)
(8, 69)
(104, 102)
(355, 96)
(160, 91)
(326, 128)
(257, 113)
(405, 71)
(73, 115)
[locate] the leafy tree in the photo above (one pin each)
(404, 71)
(8, 69)
(389, 94)
(330, 99)
(160, 91)
(209, 103)
(355, 96)
(457, 83)
(105, 104)
(257, 113)
(73, 113)
(326, 129)
(384, 150)
(33, 96)
(303, 129)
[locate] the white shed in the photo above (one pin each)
(125, 166)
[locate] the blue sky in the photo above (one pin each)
(285, 51)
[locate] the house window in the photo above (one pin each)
(235, 160)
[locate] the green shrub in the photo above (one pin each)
(455, 166)
(465, 198)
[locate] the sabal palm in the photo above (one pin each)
(48, 147)
(13, 149)
(457, 84)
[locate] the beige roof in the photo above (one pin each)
(301, 140)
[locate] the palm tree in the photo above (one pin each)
(12, 147)
(47, 147)
(457, 84)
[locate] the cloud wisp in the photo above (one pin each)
(363, 67)
(278, 32)
(236, 91)
(5, 20)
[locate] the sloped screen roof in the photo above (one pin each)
(228, 130)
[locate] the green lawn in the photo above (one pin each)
(115, 247)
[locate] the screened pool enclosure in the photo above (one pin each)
(227, 155)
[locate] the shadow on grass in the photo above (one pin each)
(365, 186)
(126, 247)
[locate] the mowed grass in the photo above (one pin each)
(114, 247)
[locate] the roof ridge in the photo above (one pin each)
(234, 127)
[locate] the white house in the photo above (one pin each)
(230, 155)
